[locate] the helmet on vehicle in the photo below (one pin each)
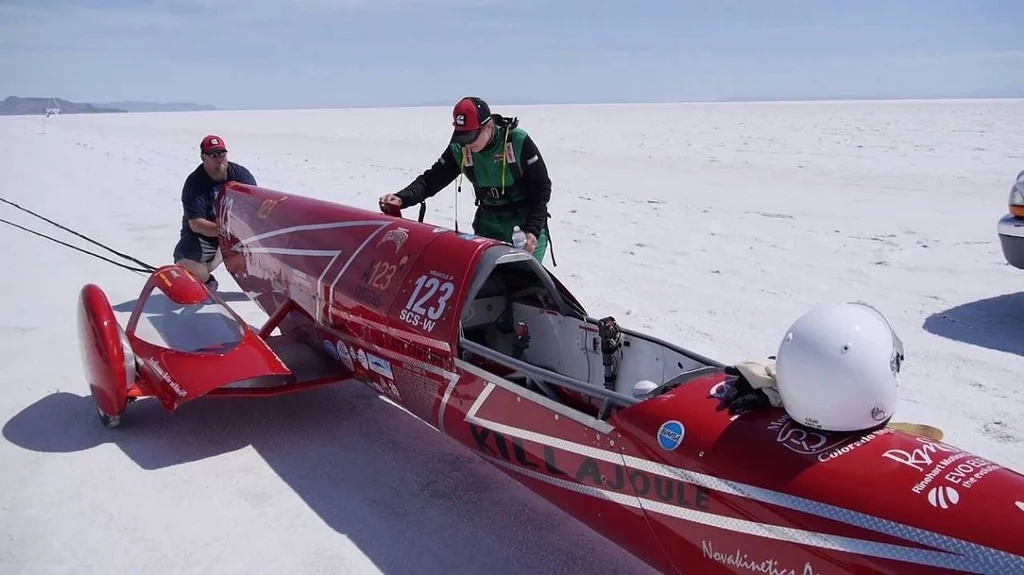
(838, 368)
(643, 387)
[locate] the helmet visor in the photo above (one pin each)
(896, 361)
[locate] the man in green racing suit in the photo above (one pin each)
(510, 179)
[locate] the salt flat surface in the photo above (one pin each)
(712, 225)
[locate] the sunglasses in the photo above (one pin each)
(219, 154)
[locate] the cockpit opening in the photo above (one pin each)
(520, 325)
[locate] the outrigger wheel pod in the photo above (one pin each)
(107, 356)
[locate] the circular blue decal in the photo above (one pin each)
(329, 348)
(670, 435)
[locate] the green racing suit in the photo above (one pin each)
(510, 183)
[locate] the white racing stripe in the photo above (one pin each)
(311, 227)
(953, 553)
(245, 247)
(290, 251)
(765, 530)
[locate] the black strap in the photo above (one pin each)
(517, 169)
(510, 206)
(551, 244)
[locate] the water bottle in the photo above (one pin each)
(518, 237)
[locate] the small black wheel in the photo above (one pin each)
(108, 421)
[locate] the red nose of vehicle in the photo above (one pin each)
(180, 286)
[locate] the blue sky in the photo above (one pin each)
(316, 53)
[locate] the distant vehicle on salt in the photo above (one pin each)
(53, 110)
(1011, 225)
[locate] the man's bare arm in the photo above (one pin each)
(204, 226)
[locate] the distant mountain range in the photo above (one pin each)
(15, 106)
(157, 106)
(18, 106)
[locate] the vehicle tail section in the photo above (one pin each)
(890, 501)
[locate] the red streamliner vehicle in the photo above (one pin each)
(481, 342)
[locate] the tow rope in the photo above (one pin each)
(143, 267)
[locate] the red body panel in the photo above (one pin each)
(677, 480)
(180, 287)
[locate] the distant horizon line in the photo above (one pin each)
(530, 102)
(497, 101)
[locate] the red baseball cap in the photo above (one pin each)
(468, 116)
(212, 143)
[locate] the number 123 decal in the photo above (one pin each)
(427, 302)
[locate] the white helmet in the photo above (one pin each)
(838, 368)
(643, 387)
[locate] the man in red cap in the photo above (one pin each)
(510, 179)
(198, 249)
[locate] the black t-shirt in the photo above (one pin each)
(200, 191)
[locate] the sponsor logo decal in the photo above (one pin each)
(948, 471)
(943, 497)
(387, 388)
(159, 370)
(345, 356)
(473, 238)
(380, 366)
(556, 464)
(823, 445)
(331, 351)
(670, 435)
(268, 206)
(740, 559)
(397, 236)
